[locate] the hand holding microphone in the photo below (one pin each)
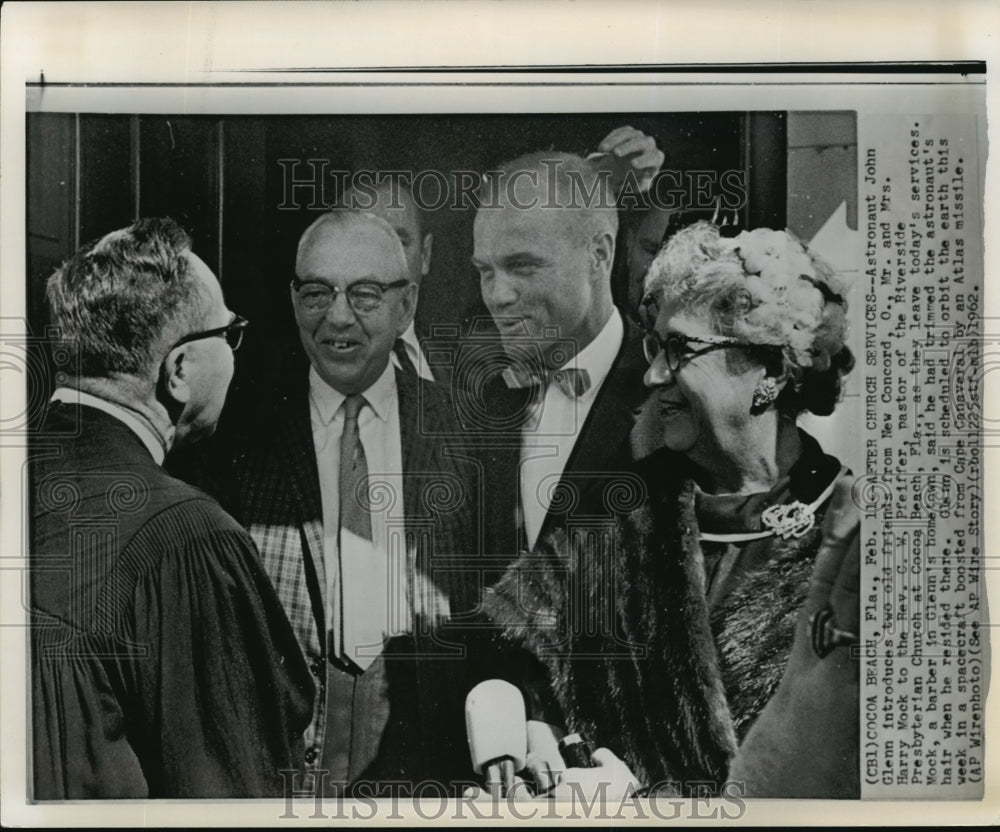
(497, 727)
(576, 751)
(607, 777)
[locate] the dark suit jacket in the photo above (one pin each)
(162, 662)
(454, 349)
(442, 369)
(277, 497)
(599, 479)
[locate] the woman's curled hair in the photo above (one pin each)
(763, 287)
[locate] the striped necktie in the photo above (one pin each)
(355, 513)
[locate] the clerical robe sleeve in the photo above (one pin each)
(217, 705)
(80, 748)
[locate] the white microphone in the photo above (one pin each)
(496, 723)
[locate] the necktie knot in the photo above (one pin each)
(352, 407)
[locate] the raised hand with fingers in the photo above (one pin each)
(625, 150)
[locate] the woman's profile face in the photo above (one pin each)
(703, 405)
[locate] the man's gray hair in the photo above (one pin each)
(122, 301)
(344, 219)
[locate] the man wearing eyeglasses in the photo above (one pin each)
(163, 665)
(347, 489)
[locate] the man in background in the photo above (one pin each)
(392, 201)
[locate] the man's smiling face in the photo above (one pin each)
(350, 350)
(536, 274)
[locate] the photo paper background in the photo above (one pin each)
(209, 63)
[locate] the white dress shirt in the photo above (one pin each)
(367, 585)
(148, 436)
(554, 422)
(416, 354)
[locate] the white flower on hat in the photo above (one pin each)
(775, 262)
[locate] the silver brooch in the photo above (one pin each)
(789, 520)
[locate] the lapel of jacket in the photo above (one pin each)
(439, 490)
(602, 444)
(442, 371)
(420, 461)
(419, 419)
(425, 417)
(298, 457)
(508, 407)
(417, 447)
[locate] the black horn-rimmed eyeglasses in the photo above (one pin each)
(232, 332)
(676, 350)
(363, 296)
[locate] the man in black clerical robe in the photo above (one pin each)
(162, 662)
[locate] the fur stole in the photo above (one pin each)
(618, 617)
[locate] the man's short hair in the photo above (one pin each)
(344, 218)
(565, 181)
(122, 301)
(364, 199)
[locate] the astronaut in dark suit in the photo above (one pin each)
(345, 484)
(555, 412)
(561, 411)
(163, 665)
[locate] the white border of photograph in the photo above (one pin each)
(221, 57)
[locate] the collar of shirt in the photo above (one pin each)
(413, 349)
(598, 356)
(409, 337)
(146, 435)
(327, 400)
